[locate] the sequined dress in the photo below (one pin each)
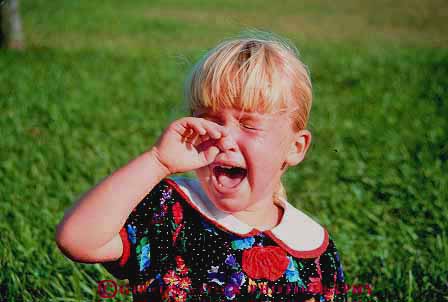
(178, 247)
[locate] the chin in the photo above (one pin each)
(228, 206)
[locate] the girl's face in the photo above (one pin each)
(252, 158)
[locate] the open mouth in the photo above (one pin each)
(229, 177)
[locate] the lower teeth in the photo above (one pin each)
(225, 179)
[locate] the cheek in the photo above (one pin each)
(254, 141)
(270, 146)
(265, 158)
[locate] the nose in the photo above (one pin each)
(227, 143)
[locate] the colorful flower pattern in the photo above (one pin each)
(144, 253)
(132, 236)
(184, 256)
(233, 283)
(242, 244)
(292, 273)
(265, 262)
(177, 281)
(215, 276)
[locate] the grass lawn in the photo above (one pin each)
(98, 83)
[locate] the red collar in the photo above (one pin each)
(297, 233)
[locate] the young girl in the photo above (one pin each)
(230, 234)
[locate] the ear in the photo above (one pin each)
(298, 148)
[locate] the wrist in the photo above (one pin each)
(157, 164)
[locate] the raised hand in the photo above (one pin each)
(187, 144)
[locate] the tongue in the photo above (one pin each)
(228, 180)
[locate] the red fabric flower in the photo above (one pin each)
(180, 296)
(171, 278)
(178, 213)
(185, 283)
(329, 294)
(269, 262)
(176, 233)
(179, 261)
(181, 268)
(315, 286)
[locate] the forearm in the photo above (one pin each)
(100, 213)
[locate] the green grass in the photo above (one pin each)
(99, 82)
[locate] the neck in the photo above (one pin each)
(263, 218)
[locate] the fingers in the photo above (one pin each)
(209, 155)
(194, 127)
(189, 136)
(206, 144)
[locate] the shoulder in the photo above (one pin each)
(151, 223)
(159, 195)
(166, 191)
(332, 254)
(305, 237)
(331, 270)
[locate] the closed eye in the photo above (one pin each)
(250, 127)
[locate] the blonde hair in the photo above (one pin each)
(257, 73)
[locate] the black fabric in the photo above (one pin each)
(178, 255)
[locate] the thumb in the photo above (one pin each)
(209, 155)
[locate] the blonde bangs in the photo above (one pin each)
(251, 75)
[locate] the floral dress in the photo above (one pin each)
(178, 247)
